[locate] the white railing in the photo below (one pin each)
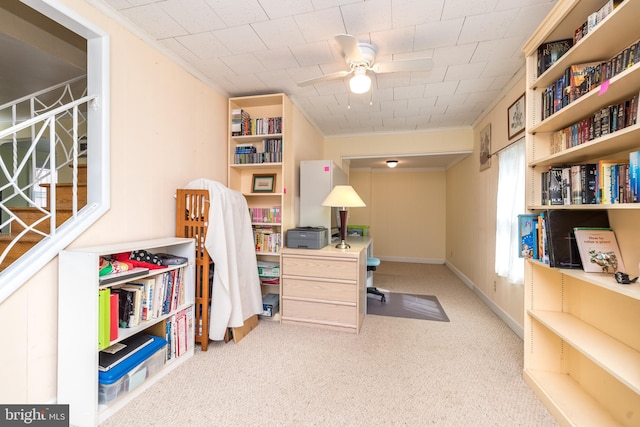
(45, 136)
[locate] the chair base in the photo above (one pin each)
(375, 291)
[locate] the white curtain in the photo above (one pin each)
(511, 189)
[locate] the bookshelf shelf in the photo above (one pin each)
(78, 325)
(582, 349)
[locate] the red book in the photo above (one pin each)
(113, 319)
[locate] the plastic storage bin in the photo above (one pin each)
(131, 372)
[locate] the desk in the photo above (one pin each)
(326, 287)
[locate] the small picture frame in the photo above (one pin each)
(485, 148)
(264, 183)
(516, 117)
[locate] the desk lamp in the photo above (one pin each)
(343, 197)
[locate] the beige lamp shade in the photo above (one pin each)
(343, 196)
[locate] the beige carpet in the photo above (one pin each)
(396, 372)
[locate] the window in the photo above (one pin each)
(511, 189)
(98, 150)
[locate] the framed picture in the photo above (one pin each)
(485, 148)
(515, 117)
(264, 183)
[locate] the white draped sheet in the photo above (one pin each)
(236, 293)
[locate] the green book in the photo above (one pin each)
(104, 317)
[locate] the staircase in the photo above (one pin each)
(39, 218)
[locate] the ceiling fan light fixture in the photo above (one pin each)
(360, 82)
(392, 163)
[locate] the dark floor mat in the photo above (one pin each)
(425, 307)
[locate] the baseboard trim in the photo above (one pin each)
(503, 315)
(412, 260)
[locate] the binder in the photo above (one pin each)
(563, 249)
(119, 352)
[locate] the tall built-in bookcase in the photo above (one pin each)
(78, 319)
(582, 345)
(261, 147)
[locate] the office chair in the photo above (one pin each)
(372, 263)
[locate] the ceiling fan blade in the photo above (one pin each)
(350, 47)
(331, 76)
(418, 64)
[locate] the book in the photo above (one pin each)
(116, 353)
(104, 318)
(527, 230)
(113, 317)
(563, 251)
(634, 177)
(550, 52)
(599, 250)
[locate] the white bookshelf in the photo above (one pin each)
(582, 346)
(78, 324)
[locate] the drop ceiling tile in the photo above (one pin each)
(527, 20)
(408, 92)
(204, 45)
(155, 21)
(437, 89)
(280, 32)
(486, 27)
(195, 16)
(501, 67)
(464, 71)
(238, 12)
(368, 16)
(438, 34)
(412, 12)
(395, 41)
(497, 49)
(312, 53)
(320, 25)
(279, 8)
(466, 8)
(277, 59)
(454, 55)
(240, 39)
(243, 64)
(475, 85)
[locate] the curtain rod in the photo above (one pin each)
(504, 148)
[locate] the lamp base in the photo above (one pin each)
(343, 245)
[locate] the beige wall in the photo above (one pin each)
(405, 212)
(167, 128)
(405, 222)
(471, 217)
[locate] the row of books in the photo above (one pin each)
(606, 182)
(570, 239)
(268, 125)
(579, 79)
(594, 19)
(127, 305)
(603, 122)
(240, 122)
(248, 153)
(265, 215)
(243, 125)
(179, 327)
(267, 239)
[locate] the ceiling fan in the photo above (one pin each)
(360, 57)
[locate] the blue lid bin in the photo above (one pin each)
(131, 372)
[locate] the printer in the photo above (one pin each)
(308, 237)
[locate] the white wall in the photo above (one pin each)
(167, 128)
